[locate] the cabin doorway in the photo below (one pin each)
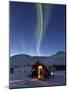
(40, 72)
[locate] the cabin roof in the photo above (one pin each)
(39, 64)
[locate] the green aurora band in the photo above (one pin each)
(40, 24)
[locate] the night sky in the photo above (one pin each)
(23, 29)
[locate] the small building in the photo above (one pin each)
(40, 71)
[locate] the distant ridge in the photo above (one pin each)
(57, 53)
(23, 59)
(60, 53)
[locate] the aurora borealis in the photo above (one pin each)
(40, 23)
(36, 29)
(39, 26)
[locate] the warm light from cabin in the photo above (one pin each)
(52, 73)
(39, 71)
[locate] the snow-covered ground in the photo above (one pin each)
(20, 79)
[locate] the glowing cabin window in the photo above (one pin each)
(52, 73)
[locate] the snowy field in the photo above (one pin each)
(20, 79)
